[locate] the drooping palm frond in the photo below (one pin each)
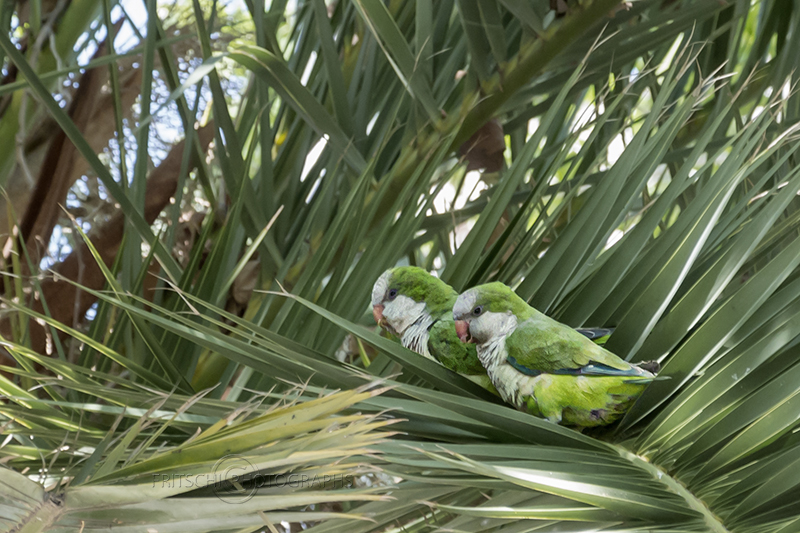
(179, 464)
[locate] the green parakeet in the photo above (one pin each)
(417, 308)
(543, 366)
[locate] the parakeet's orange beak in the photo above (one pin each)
(462, 330)
(377, 313)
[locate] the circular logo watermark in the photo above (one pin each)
(235, 477)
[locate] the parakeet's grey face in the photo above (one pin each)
(476, 323)
(393, 311)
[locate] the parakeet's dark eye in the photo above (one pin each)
(477, 311)
(392, 294)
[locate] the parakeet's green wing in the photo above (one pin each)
(541, 344)
(447, 348)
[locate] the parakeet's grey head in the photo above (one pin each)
(381, 288)
(404, 295)
(487, 311)
(466, 304)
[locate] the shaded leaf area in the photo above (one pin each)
(633, 178)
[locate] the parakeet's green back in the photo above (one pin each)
(543, 344)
